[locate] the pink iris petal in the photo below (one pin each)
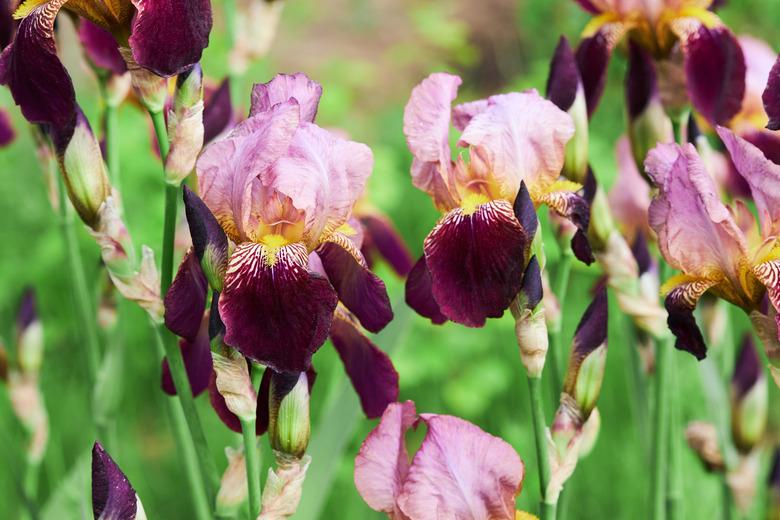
(696, 232)
(762, 175)
(426, 127)
(284, 87)
(759, 60)
(629, 198)
(463, 113)
(462, 473)
(521, 136)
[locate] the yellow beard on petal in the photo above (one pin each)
(271, 245)
(471, 202)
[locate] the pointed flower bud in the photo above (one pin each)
(29, 335)
(112, 494)
(235, 384)
(233, 488)
(185, 125)
(530, 321)
(82, 165)
(702, 437)
(288, 403)
(749, 398)
(208, 239)
(590, 433)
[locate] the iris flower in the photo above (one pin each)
(475, 256)
(274, 238)
(38, 80)
(719, 249)
(713, 62)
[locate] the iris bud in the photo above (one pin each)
(233, 488)
(749, 399)
(185, 125)
(151, 89)
(288, 404)
(702, 438)
(235, 385)
(530, 320)
(29, 335)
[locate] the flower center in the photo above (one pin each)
(272, 243)
(471, 202)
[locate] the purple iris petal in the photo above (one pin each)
(564, 78)
(592, 59)
(419, 294)
(380, 234)
(747, 369)
(101, 48)
(185, 300)
(112, 494)
(771, 97)
(197, 361)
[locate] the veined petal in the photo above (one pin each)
(476, 262)
(32, 70)
(521, 137)
(292, 307)
(575, 208)
(185, 300)
(419, 293)
(771, 97)
(715, 72)
(101, 48)
(380, 234)
(168, 48)
(197, 361)
(361, 291)
(680, 304)
(368, 367)
(696, 232)
(462, 473)
(426, 127)
(382, 463)
(284, 87)
(113, 497)
(464, 112)
(768, 273)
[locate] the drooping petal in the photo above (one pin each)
(185, 300)
(359, 289)
(771, 97)
(419, 293)
(426, 127)
(380, 234)
(715, 71)
(382, 463)
(209, 242)
(101, 48)
(680, 304)
(217, 111)
(227, 167)
(564, 79)
(588, 6)
(292, 307)
(462, 473)
(32, 70)
(762, 175)
(113, 497)
(520, 137)
(577, 209)
(476, 262)
(696, 232)
(284, 87)
(197, 361)
(164, 47)
(368, 367)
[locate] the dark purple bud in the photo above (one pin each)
(747, 369)
(641, 253)
(525, 212)
(27, 313)
(217, 111)
(592, 60)
(564, 78)
(771, 97)
(774, 474)
(532, 290)
(112, 494)
(592, 329)
(641, 83)
(208, 239)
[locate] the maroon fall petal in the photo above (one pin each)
(217, 112)
(7, 23)
(185, 300)
(112, 494)
(166, 47)
(291, 308)
(682, 323)
(30, 67)
(101, 48)
(419, 294)
(564, 78)
(360, 290)
(715, 72)
(382, 235)
(218, 403)
(771, 97)
(592, 59)
(368, 367)
(197, 361)
(588, 6)
(476, 262)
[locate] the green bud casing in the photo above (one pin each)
(289, 427)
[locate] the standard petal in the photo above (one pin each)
(368, 367)
(461, 473)
(32, 70)
(284, 87)
(292, 307)
(564, 79)
(359, 289)
(696, 232)
(101, 48)
(771, 97)
(680, 304)
(185, 300)
(380, 234)
(715, 72)
(112, 494)
(520, 137)
(463, 113)
(168, 48)
(419, 293)
(197, 361)
(426, 127)
(382, 463)
(476, 262)
(217, 112)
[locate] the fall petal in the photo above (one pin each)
(292, 307)
(419, 293)
(461, 472)
(185, 300)
(284, 87)
(197, 361)
(112, 494)
(101, 48)
(220, 407)
(680, 304)
(168, 48)
(476, 262)
(380, 234)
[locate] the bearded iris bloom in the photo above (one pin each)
(719, 249)
(475, 256)
(713, 61)
(39, 82)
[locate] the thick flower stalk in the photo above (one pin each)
(474, 258)
(459, 470)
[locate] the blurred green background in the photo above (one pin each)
(367, 54)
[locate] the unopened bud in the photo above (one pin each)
(185, 125)
(289, 428)
(84, 172)
(151, 89)
(29, 335)
(590, 433)
(117, 88)
(27, 403)
(208, 239)
(189, 88)
(702, 438)
(749, 398)
(530, 321)
(283, 487)
(235, 384)
(743, 479)
(233, 489)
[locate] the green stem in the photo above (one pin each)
(112, 145)
(638, 382)
(555, 352)
(252, 465)
(674, 491)
(661, 429)
(540, 437)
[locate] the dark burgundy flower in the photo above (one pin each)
(112, 494)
